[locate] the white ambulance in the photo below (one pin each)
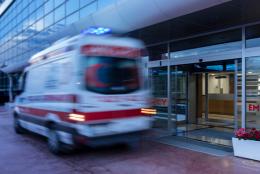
(85, 90)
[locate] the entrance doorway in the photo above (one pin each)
(215, 99)
(204, 100)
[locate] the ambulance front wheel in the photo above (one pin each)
(17, 125)
(54, 143)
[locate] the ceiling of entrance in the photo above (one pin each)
(229, 14)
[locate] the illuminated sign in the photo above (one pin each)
(5, 4)
(252, 107)
(160, 102)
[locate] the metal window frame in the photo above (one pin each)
(243, 109)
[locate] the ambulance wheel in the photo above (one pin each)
(17, 126)
(54, 143)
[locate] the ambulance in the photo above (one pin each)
(86, 89)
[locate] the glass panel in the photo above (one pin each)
(253, 92)
(72, 18)
(60, 13)
(214, 49)
(48, 6)
(239, 94)
(90, 8)
(85, 2)
(217, 40)
(72, 6)
(253, 36)
(158, 83)
(39, 13)
(179, 93)
(104, 3)
(58, 2)
(48, 20)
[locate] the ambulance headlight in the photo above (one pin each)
(77, 117)
(148, 111)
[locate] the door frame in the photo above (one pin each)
(227, 55)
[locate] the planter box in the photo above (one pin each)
(246, 148)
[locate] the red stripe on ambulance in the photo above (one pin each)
(89, 116)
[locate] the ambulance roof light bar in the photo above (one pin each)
(97, 30)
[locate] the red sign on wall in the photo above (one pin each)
(160, 102)
(253, 107)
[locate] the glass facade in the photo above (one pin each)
(26, 25)
(224, 78)
(253, 92)
(158, 84)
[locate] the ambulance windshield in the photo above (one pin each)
(111, 75)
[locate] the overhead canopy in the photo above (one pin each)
(128, 15)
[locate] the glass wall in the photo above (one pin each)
(182, 75)
(158, 83)
(252, 36)
(253, 92)
(26, 25)
(209, 44)
(238, 87)
(4, 81)
(179, 91)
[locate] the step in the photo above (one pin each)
(198, 146)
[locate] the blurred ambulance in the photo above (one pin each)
(87, 89)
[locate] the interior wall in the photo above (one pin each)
(221, 99)
(217, 85)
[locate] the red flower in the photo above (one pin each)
(252, 134)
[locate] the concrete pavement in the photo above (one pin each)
(28, 154)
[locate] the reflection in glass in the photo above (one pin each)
(91, 8)
(72, 18)
(253, 92)
(48, 20)
(48, 6)
(213, 49)
(253, 36)
(158, 84)
(58, 2)
(104, 3)
(71, 6)
(59, 13)
(179, 93)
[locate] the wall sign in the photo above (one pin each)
(160, 102)
(253, 107)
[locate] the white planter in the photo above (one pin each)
(246, 148)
